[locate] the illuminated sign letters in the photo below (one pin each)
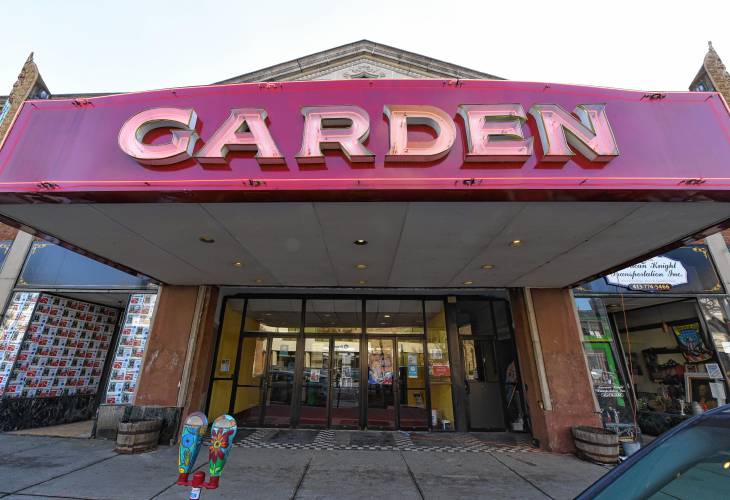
(494, 133)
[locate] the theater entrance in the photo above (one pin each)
(353, 362)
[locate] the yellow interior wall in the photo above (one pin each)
(228, 341)
(440, 386)
(441, 399)
(252, 325)
(220, 398)
(250, 373)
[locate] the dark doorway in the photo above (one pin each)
(489, 358)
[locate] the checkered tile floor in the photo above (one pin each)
(328, 439)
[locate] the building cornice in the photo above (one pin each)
(398, 59)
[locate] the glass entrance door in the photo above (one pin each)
(382, 399)
(411, 382)
(315, 383)
(330, 383)
(381, 363)
(280, 381)
(345, 384)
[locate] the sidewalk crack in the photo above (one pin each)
(523, 477)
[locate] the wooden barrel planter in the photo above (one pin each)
(138, 437)
(596, 444)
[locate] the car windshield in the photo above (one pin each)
(692, 464)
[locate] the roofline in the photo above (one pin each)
(320, 59)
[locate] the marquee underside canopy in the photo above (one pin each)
(409, 244)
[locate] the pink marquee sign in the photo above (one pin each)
(369, 135)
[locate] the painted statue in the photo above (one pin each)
(222, 434)
(192, 436)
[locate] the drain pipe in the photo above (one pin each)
(546, 402)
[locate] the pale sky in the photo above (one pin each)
(105, 46)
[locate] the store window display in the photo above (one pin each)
(668, 353)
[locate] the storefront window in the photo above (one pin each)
(475, 317)
(273, 315)
(600, 351)
(333, 316)
(401, 317)
(672, 362)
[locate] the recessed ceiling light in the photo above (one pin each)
(238, 263)
(206, 239)
(361, 282)
(515, 243)
(487, 267)
(360, 242)
(361, 266)
(468, 282)
(386, 315)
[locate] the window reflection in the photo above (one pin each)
(333, 316)
(474, 317)
(280, 381)
(400, 317)
(273, 315)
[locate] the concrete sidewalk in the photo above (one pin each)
(34, 467)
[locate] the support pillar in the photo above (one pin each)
(554, 372)
(174, 373)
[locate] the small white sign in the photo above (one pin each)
(655, 273)
(225, 365)
(713, 370)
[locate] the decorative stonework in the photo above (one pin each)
(23, 87)
(364, 71)
(713, 71)
(363, 67)
(383, 61)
